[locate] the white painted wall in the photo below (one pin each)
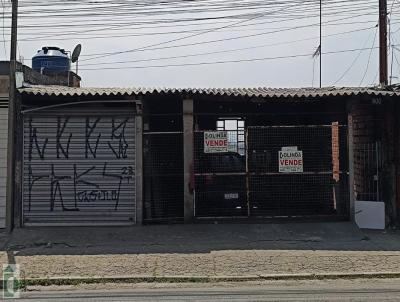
(3, 164)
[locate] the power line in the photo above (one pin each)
(89, 36)
(369, 58)
(117, 26)
(354, 61)
(185, 37)
(160, 14)
(226, 51)
(394, 55)
(225, 62)
(151, 47)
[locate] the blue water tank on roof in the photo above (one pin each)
(51, 60)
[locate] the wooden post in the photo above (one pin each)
(139, 163)
(18, 163)
(188, 151)
(12, 116)
(383, 58)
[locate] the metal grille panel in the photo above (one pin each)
(220, 181)
(321, 189)
(368, 170)
(291, 195)
(79, 167)
(234, 185)
(163, 176)
(221, 196)
(264, 143)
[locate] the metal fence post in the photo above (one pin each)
(139, 163)
(351, 167)
(188, 150)
(247, 173)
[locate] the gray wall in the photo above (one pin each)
(3, 163)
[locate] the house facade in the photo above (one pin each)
(92, 156)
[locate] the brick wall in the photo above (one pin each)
(367, 130)
(377, 121)
(397, 156)
(36, 78)
(335, 151)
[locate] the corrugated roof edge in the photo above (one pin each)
(263, 92)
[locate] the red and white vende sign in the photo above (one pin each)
(290, 160)
(215, 142)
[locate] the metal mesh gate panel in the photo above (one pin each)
(319, 188)
(368, 169)
(232, 183)
(220, 179)
(163, 176)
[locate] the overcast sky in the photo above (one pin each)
(233, 43)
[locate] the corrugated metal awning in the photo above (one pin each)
(233, 92)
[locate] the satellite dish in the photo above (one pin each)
(76, 53)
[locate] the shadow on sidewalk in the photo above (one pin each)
(197, 238)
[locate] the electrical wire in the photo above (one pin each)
(369, 58)
(225, 51)
(119, 19)
(152, 47)
(227, 61)
(353, 62)
(185, 37)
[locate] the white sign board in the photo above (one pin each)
(290, 160)
(215, 142)
(289, 148)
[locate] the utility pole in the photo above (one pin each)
(383, 59)
(320, 43)
(12, 120)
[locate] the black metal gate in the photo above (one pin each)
(220, 181)
(320, 188)
(163, 176)
(254, 184)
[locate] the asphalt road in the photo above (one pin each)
(340, 290)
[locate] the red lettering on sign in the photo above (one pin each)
(291, 162)
(217, 143)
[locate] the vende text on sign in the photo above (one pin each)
(290, 161)
(215, 142)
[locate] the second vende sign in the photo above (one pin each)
(290, 160)
(215, 142)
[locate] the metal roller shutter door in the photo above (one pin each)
(79, 167)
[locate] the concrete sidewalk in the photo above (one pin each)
(203, 251)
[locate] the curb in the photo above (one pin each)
(198, 279)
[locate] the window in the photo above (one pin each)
(236, 137)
